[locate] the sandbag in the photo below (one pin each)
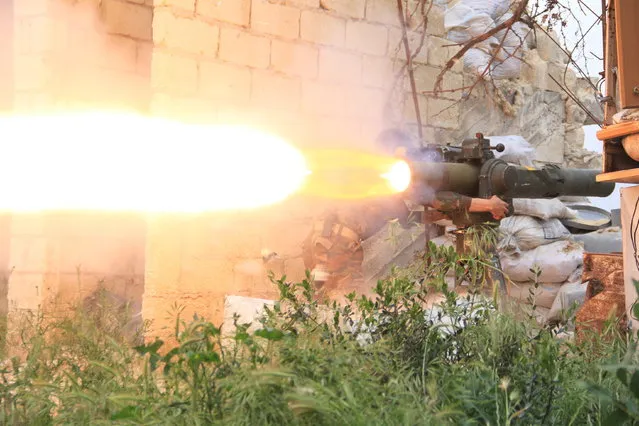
(557, 261)
(544, 295)
(543, 208)
(522, 233)
(517, 150)
(249, 309)
(570, 294)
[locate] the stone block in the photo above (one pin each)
(31, 72)
(409, 110)
(563, 74)
(351, 8)
(443, 113)
(243, 48)
(339, 66)
(132, 20)
(309, 4)
(189, 109)
(273, 92)
(184, 35)
(173, 74)
(232, 11)
(425, 77)
(366, 38)
(182, 5)
(224, 82)
(382, 11)
(377, 71)
(415, 40)
(321, 98)
(144, 55)
(333, 132)
(275, 19)
(29, 254)
(366, 103)
(318, 27)
(25, 291)
(294, 59)
(33, 34)
(440, 51)
(436, 21)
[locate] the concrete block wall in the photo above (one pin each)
(85, 54)
(318, 73)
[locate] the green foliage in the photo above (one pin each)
(385, 359)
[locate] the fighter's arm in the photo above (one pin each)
(447, 202)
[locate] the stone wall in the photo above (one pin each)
(76, 55)
(316, 72)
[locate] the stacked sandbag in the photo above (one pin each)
(535, 239)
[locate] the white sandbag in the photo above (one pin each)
(493, 8)
(523, 233)
(249, 310)
(543, 208)
(471, 27)
(570, 295)
(476, 60)
(517, 150)
(544, 295)
(557, 261)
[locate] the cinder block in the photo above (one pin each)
(382, 11)
(310, 4)
(25, 291)
(320, 28)
(31, 7)
(443, 113)
(272, 91)
(350, 8)
(440, 51)
(425, 77)
(128, 19)
(33, 35)
(224, 82)
(31, 72)
(173, 74)
(144, 55)
(182, 34)
(321, 98)
(436, 21)
(409, 109)
(184, 5)
(243, 48)
(366, 103)
(340, 67)
(377, 71)
(276, 19)
(231, 11)
(294, 59)
(396, 45)
(366, 38)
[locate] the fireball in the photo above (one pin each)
(126, 162)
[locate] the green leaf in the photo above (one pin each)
(616, 418)
(622, 375)
(634, 384)
(128, 412)
(270, 334)
(151, 348)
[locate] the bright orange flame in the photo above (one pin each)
(346, 174)
(399, 176)
(126, 162)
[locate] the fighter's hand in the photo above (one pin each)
(498, 207)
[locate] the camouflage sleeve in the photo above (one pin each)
(446, 201)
